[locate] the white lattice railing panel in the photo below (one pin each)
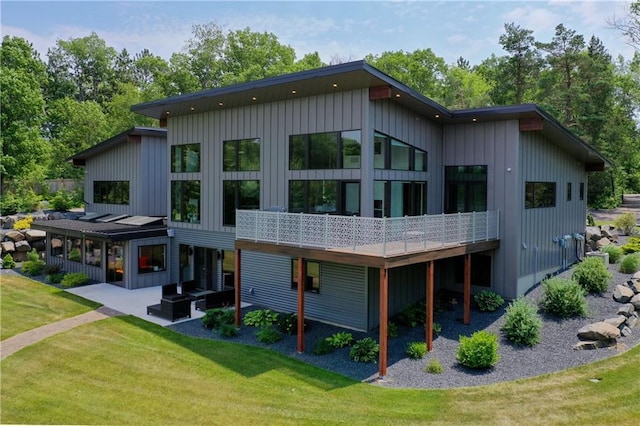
(380, 236)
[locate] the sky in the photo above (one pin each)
(338, 31)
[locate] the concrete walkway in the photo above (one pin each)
(22, 340)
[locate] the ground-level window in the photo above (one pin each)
(93, 252)
(465, 189)
(74, 253)
(312, 279)
(115, 262)
(152, 258)
(111, 192)
(228, 268)
(539, 195)
(239, 194)
(185, 201)
(57, 245)
(324, 197)
(399, 198)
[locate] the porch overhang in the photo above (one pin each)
(99, 231)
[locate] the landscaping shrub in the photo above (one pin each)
(488, 300)
(434, 367)
(522, 323)
(340, 339)
(478, 351)
(563, 298)
(615, 252)
(414, 314)
(33, 267)
(51, 269)
(55, 278)
(392, 330)
(217, 317)
(288, 323)
(74, 279)
(8, 262)
(364, 350)
(20, 201)
(630, 263)
(632, 246)
(626, 223)
(322, 347)
(592, 275)
(437, 329)
(260, 318)
(590, 220)
(228, 330)
(24, 223)
(416, 350)
(268, 335)
(63, 200)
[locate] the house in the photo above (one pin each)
(122, 239)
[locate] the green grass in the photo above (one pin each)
(127, 371)
(27, 304)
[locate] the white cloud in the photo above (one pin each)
(536, 19)
(457, 39)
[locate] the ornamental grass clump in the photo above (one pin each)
(626, 223)
(563, 298)
(630, 263)
(592, 275)
(434, 367)
(522, 323)
(615, 253)
(478, 351)
(416, 350)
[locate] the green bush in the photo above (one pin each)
(414, 314)
(62, 200)
(288, 323)
(340, 339)
(8, 262)
(51, 268)
(322, 347)
(416, 350)
(563, 298)
(522, 323)
(74, 279)
(626, 223)
(392, 330)
(488, 301)
(268, 335)
(22, 200)
(364, 350)
(478, 351)
(615, 252)
(217, 317)
(55, 278)
(632, 246)
(33, 256)
(630, 263)
(434, 367)
(590, 220)
(33, 267)
(228, 330)
(592, 275)
(260, 318)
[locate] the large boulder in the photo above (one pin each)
(599, 331)
(622, 294)
(632, 321)
(634, 284)
(627, 310)
(23, 246)
(636, 276)
(594, 344)
(635, 301)
(8, 247)
(616, 321)
(15, 236)
(35, 235)
(603, 242)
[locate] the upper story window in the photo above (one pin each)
(111, 192)
(539, 194)
(321, 151)
(568, 191)
(241, 155)
(390, 153)
(324, 197)
(185, 158)
(581, 191)
(239, 194)
(185, 201)
(465, 189)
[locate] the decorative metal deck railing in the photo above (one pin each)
(367, 235)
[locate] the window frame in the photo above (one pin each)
(310, 286)
(301, 147)
(182, 166)
(158, 260)
(340, 194)
(386, 150)
(111, 192)
(531, 201)
(237, 205)
(186, 210)
(462, 178)
(235, 164)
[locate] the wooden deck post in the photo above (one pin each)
(237, 284)
(302, 279)
(384, 318)
(429, 328)
(467, 290)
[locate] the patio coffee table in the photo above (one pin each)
(199, 294)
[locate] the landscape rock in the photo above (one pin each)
(34, 235)
(39, 245)
(593, 233)
(15, 236)
(23, 246)
(603, 242)
(56, 243)
(634, 285)
(55, 216)
(594, 344)
(616, 321)
(626, 331)
(8, 222)
(627, 309)
(8, 247)
(635, 301)
(598, 331)
(632, 321)
(636, 276)
(622, 294)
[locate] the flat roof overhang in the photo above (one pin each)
(351, 258)
(101, 231)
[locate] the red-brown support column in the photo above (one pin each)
(302, 279)
(237, 283)
(467, 290)
(384, 318)
(429, 330)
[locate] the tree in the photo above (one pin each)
(204, 53)
(495, 71)
(629, 24)
(465, 89)
(523, 63)
(118, 109)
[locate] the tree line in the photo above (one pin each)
(82, 94)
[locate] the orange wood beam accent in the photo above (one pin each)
(237, 283)
(302, 273)
(384, 318)
(467, 290)
(531, 124)
(429, 329)
(163, 123)
(380, 92)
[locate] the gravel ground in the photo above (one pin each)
(554, 353)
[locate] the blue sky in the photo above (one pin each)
(342, 30)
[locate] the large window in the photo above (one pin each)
(92, 252)
(74, 249)
(465, 189)
(185, 158)
(324, 196)
(312, 279)
(332, 150)
(152, 258)
(399, 198)
(539, 195)
(185, 201)
(111, 192)
(390, 153)
(239, 194)
(241, 155)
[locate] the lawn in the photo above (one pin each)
(28, 304)
(124, 370)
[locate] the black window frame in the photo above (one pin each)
(382, 208)
(538, 194)
(340, 194)
(184, 150)
(569, 191)
(111, 192)
(158, 261)
(235, 164)
(302, 145)
(464, 177)
(310, 283)
(228, 210)
(183, 209)
(581, 191)
(387, 151)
